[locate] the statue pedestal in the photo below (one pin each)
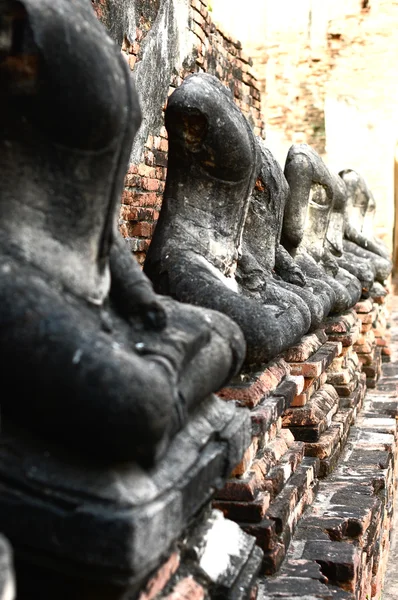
(271, 487)
(83, 527)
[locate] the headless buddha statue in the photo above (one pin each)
(259, 270)
(361, 268)
(305, 224)
(109, 434)
(109, 366)
(213, 163)
(356, 241)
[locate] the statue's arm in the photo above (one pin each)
(329, 263)
(352, 234)
(131, 290)
(287, 269)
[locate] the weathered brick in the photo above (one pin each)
(186, 589)
(157, 583)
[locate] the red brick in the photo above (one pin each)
(247, 459)
(133, 169)
(142, 229)
(249, 512)
(186, 589)
(146, 171)
(158, 582)
(251, 393)
(132, 60)
(364, 306)
(152, 185)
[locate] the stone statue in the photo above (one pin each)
(213, 163)
(356, 241)
(77, 310)
(305, 224)
(111, 371)
(264, 268)
(361, 268)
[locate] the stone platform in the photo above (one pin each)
(341, 544)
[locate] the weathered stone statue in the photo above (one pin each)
(305, 224)
(356, 241)
(213, 163)
(111, 371)
(361, 268)
(260, 270)
(77, 310)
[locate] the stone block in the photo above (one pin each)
(346, 389)
(317, 363)
(364, 306)
(346, 339)
(250, 512)
(341, 323)
(247, 460)
(282, 509)
(141, 513)
(307, 346)
(279, 475)
(339, 377)
(294, 587)
(228, 559)
(272, 560)
(339, 561)
(365, 348)
(266, 414)
(331, 438)
(249, 389)
(241, 489)
(309, 421)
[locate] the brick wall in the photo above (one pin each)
(209, 50)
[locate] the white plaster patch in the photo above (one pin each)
(222, 541)
(229, 282)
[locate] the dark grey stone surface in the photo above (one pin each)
(113, 524)
(104, 357)
(305, 224)
(362, 269)
(257, 269)
(214, 161)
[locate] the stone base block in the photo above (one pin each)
(92, 525)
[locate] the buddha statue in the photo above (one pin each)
(102, 372)
(260, 267)
(306, 220)
(356, 241)
(361, 268)
(213, 164)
